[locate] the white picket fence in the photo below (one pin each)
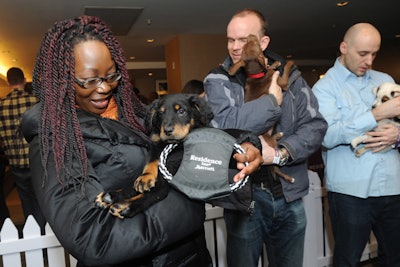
(36, 250)
(318, 250)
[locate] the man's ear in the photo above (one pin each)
(264, 42)
(343, 47)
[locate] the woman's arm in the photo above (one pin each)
(93, 235)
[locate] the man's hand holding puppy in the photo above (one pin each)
(388, 109)
(383, 136)
(387, 134)
(268, 153)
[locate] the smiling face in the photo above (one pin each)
(92, 60)
(239, 29)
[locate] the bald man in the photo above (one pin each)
(363, 192)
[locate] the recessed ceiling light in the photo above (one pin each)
(132, 58)
(397, 36)
(342, 3)
(150, 40)
(150, 74)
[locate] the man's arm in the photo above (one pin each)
(226, 101)
(309, 125)
(345, 116)
(389, 109)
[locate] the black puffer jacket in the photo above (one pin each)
(169, 233)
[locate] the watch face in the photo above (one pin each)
(284, 157)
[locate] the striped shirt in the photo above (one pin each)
(12, 107)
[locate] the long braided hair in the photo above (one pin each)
(53, 82)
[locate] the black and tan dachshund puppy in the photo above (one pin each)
(169, 120)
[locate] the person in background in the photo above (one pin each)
(152, 96)
(279, 218)
(86, 136)
(363, 192)
(4, 212)
(139, 95)
(16, 149)
(28, 88)
(194, 87)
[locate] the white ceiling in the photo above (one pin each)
(308, 29)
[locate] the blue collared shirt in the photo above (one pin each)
(345, 101)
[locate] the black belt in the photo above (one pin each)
(275, 189)
(264, 180)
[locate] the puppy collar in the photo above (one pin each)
(256, 75)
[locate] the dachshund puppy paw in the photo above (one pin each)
(145, 182)
(103, 200)
(120, 210)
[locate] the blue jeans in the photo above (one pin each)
(353, 219)
(279, 225)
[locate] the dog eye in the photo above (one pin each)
(181, 111)
(160, 114)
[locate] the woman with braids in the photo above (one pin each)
(86, 136)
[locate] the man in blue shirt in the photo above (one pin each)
(363, 192)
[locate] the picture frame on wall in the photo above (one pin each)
(161, 87)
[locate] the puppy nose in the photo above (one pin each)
(168, 130)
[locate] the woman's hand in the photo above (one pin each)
(252, 155)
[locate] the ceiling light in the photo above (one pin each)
(132, 58)
(150, 40)
(342, 3)
(150, 74)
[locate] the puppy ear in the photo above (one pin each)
(202, 111)
(236, 67)
(151, 115)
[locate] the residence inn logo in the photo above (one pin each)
(204, 163)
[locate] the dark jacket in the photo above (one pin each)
(298, 117)
(169, 233)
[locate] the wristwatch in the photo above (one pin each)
(283, 156)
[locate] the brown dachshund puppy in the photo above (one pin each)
(259, 77)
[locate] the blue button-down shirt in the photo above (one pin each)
(345, 101)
